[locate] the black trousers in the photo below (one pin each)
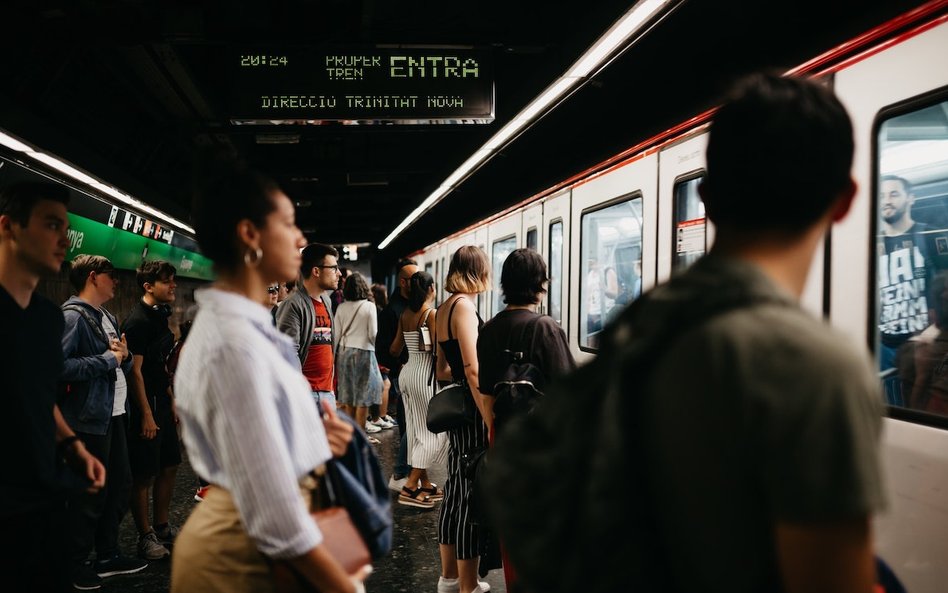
(94, 519)
(34, 559)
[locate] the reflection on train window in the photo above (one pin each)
(499, 252)
(428, 268)
(532, 238)
(912, 249)
(610, 266)
(690, 231)
(554, 293)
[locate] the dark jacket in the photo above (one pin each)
(296, 313)
(388, 326)
(89, 370)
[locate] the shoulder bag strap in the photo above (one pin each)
(95, 327)
(450, 313)
(345, 332)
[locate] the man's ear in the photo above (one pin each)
(844, 201)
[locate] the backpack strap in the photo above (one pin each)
(95, 326)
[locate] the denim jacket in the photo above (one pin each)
(89, 369)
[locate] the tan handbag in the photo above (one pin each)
(340, 538)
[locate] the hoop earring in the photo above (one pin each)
(257, 255)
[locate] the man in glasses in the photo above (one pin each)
(306, 316)
(94, 405)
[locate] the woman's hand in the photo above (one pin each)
(338, 431)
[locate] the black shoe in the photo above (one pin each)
(85, 579)
(119, 565)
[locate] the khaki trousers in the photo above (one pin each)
(214, 554)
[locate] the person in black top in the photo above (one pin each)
(153, 448)
(388, 327)
(523, 280)
(34, 482)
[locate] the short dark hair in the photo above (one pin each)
(18, 200)
(405, 261)
(522, 277)
(83, 264)
(418, 285)
(357, 289)
(906, 184)
(153, 271)
(380, 295)
(781, 139)
(226, 191)
(313, 255)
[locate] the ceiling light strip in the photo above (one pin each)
(621, 33)
(87, 180)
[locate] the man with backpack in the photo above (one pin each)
(724, 436)
(94, 403)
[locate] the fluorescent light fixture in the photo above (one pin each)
(619, 35)
(86, 179)
(616, 36)
(62, 167)
(13, 143)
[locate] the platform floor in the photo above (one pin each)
(412, 567)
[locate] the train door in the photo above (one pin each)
(555, 250)
(531, 229)
(889, 260)
(612, 247)
(682, 225)
(503, 236)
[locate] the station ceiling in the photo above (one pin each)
(126, 90)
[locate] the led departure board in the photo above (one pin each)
(364, 85)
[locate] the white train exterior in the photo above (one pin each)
(628, 223)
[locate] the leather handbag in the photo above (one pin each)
(340, 537)
(451, 408)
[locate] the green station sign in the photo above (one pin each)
(127, 250)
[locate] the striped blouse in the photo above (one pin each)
(248, 419)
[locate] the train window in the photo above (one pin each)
(610, 247)
(690, 232)
(499, 252)
(912, 268)
(429, 268)
(532, 238)
(554, 293)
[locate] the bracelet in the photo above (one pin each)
(63, 445)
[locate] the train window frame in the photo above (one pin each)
(624, 198)
(886, 114)
(676, 265)
(561, 274)
(495, 280)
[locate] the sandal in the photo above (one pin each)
(415, 498)
(434, 493)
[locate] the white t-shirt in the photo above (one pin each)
(121, 387)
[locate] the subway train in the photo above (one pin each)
(630, 222)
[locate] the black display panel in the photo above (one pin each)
(356, 85)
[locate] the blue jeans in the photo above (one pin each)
(320, 396)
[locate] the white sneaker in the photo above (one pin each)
(150, 548)
(454, 586)
(370, 428)
(390, 420)
(396, 485)
(384, 424)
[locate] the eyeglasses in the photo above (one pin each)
(334, 267)
(273, 289)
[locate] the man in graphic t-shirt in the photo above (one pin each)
(905, 273)
(306, 316)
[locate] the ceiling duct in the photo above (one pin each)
(366, 179)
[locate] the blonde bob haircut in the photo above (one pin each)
(469, 271)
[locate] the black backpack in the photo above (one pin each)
(520, 385)
(569, 473)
